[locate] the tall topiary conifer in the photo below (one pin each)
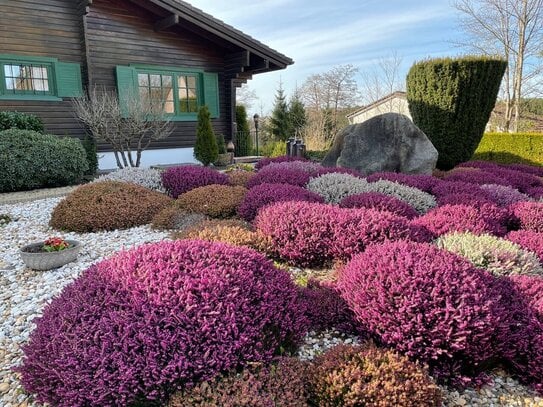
(205, 149)
(450, 100)
(243, 139)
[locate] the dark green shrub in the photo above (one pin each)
(243, 138)
(511, 148)
(33, 160)
(21, 121)
(315, 155)
(221, 145)
(450, 100)
(206, 150)
(89, 144)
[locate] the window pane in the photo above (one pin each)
(27, 78)
(155, 81)
(182, 82)
(192, 82)
(143, 79)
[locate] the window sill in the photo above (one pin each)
(44, 98)
(184, 118)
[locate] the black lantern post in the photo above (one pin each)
(256, 118)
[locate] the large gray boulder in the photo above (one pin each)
(388, 142)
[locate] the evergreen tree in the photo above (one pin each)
(89, 144)
(205, 149)
(297, 116)
(280, 116)
(243, 138)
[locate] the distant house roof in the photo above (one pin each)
(383, 100)
(176, 10)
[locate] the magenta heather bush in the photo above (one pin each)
(178, 180)
(528, 169)
(423, 182)
(463, 199)
(307, 166)
(133, 328)
(504, 196)
(535, 192)
(445, 188)
(531, 287)
(337, 170)
(271, 175)
(478, 177)
(532, 241)
(265, 194)
(301, 232)
(427, 303)
(528, 215)
(326, 308)
(382, 202)
(463, 218)
(518, 179)
(281, 159)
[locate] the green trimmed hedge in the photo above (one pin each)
(511, 148)
(21, 121)
(29, 160)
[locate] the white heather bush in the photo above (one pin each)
(498, 256)
(334, 187)
(418, 199)
(146, 177)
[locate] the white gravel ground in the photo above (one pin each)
(24, 293)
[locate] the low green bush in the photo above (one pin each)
(21, 121)
(273, 149)
(315, 155)
(511, 148)
(29, 159)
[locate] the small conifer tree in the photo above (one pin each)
(243, 139)
(280, 121)
(206, 150)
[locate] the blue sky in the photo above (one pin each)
(319, 34)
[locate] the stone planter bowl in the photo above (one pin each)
(49, 260)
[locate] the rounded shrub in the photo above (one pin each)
(502, 195)
(496, 255)
(528, 169)
(172, 217)
(20, 121)
(158, 317)
(528, 215)
(180, 179)
(281, 159)
(464, 199)
(531, 287)
(368, 376)
(337, 170)
(478, 177)
(239, 177)
(446, 188)
(334, 187)
(30, 160)
(532, 241)
(461, 218)
(382, 202)
(535, 192)
(307, 166)
(270, 174)
(429, 304)
(216, 201)
(265, 194)
(423, 182)
(418, 199)
(146, 177)
(283, 383)
(206, 149)
(107, 205)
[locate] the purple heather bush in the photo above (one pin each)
(178, 180)
(281, 159)
(463, 199)
(446, 188)
(528, 169)
(528, 215)
(484, 165)
(429, 304)
(382, 202)
(307, 166)
(134, 328)
(272, 175)
(504, 196)
(326, 308)
(423, 182)
(532, 241)
(535, 192)
(265, 194)
(531, 287)
(464, 218)
(478, 177)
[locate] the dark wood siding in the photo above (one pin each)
(120, 33)
(37, 28)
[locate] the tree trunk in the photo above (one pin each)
(519, 67)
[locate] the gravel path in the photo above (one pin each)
(24, 293)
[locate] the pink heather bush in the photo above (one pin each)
(326, 309)
(532, 241)
(464, 218)
(423, 182)
(133, 328)
(312, 234)
(178, 180)
(528, 215)
(301, 233)
(265, 194)
(427, 303)
(531, 287)
(307, 166)
(284, 158)
(382, 202)
(504, 196)
(271, 175)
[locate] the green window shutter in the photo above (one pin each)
(68, 79)
(127, 86)
(211, 93)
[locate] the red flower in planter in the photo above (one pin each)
(55, 244)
